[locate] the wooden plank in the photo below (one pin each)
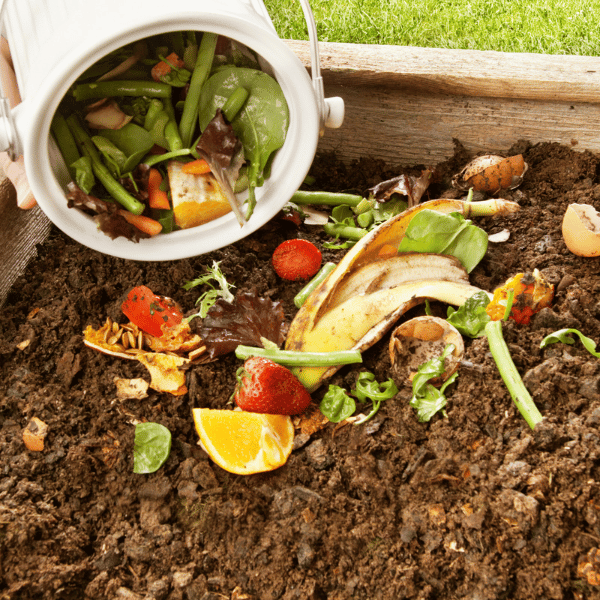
(408, 112)
(458, 72)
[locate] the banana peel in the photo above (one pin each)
(350, 310)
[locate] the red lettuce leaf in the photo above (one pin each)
(244, 321)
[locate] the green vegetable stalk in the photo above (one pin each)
(204, 60)
(113, 187)
(108, 89)
(510, 375)
(326, 198)
(472, 319)
(292, 358)
(308, 289)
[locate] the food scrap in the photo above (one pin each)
(491, 174)
(581, 230)
(267, 387)
(296, 259)
(244, 442)
(151, 313)
(530, 293)
(34, 434)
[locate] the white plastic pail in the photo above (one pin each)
(53, 41)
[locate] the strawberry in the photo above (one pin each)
(151, 313)
(267, 387)
(296, 259)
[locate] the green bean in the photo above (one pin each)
(106, 89)
(234, 103)
(113, 187)
(171, 128)
(200, 73)
(293, 358)
(65, 141)
(153, 159)
(345, 231)
(328, 198)
(308, 289)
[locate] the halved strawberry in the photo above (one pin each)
(267, 387)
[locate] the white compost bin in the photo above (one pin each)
(52, 42)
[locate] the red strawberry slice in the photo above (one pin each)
(267, 387)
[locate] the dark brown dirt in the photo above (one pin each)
(475, 505)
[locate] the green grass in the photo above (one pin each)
(539, 26)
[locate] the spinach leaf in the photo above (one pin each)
(471, 318)
(134, 141)
(151, 447)
(261, 124)
(84, 175)
(432, 231)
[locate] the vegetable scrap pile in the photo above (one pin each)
(162, 134)
(418, 252)
(417, 479)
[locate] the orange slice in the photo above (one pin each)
(243, 442)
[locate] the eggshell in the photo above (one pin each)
(581, 230)
(420, 339)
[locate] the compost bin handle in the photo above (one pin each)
(331, 110)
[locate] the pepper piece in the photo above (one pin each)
(531, 292)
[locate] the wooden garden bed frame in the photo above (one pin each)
(407, 105)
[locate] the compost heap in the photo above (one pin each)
(473, 504)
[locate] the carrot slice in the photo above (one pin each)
(145, 224)
(196, 167)
(163, 68)
(157, 198)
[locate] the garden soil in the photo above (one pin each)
(473, 504)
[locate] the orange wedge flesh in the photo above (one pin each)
(243, 442)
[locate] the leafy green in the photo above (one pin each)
(151, 447)
(427, 399)
(367, 388)
(564, 336)
(337, 405)
(84, 174)
(432, 231)
(134, 141)
(114, 158)
(471, 318)
(262, 123)
(208, 298)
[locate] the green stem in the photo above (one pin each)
(202, 68)
(312, 285)
(172, 128)
(153, 159)
(344, 231)
(510, 375)
(292, 358)
(65, 141)
(489, 208)
(327, 198)
(113, 187)
(107, 89)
